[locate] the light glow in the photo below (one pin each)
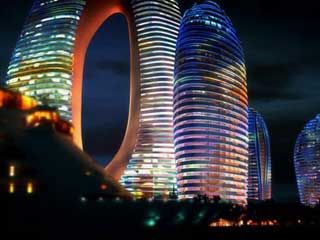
(12, 171)
(11, 188)
(29, 188)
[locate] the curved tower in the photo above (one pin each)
(210, 107)
(307, 162)
(151, 170)
(41, 65)
(48, 64)
(259, 178)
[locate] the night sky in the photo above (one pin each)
(281, 44)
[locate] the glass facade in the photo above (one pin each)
(210, 107)
(307, 162)
(41, 65)
(259, 178)
(151, 170)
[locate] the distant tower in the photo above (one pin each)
(210, 107)
(259, 179)
(307, 162)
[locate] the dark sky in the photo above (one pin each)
(281, 43)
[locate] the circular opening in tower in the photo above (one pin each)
(106, 90)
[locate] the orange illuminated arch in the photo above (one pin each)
(93, 16)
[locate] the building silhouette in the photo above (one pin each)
(259, 178)
(40, 159)
(307, 162)
(210, 107)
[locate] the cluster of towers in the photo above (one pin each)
(189, 125)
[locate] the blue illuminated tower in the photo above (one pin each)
(259, 179)
(307, 162)
(210, 107)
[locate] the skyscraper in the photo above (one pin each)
(307, 162)
(210, 107)
(151, 170)
(41, 65)
(259, 179)
(48, 64)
